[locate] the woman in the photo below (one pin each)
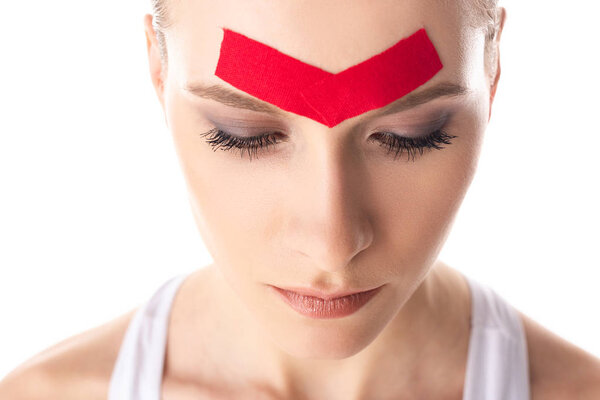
(325, 226)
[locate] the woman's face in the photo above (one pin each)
(326, 207)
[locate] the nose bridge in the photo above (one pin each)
(335, 221)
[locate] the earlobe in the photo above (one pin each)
(154, 59)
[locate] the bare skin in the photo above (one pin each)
(558, 369)
(447, 314)
(328, 208)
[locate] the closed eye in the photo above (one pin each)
(394, 143)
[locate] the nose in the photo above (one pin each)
(333, 222)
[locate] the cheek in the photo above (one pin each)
(222, 201)
(416, 205)
(229, 213)
(235, 202)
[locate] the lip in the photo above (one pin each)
(329, 306)
(321, 294)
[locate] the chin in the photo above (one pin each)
(334, 339)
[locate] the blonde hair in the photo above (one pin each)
(161, 21)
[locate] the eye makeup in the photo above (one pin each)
(218, 138)
(248, 137)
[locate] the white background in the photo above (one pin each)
(94, 214)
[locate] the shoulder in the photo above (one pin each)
(558, 369)
(75, 368)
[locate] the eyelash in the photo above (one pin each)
(219, 138)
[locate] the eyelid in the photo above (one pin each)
(244, 129)
(245, 124)
(413, 129)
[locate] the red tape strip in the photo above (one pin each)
(303, 89)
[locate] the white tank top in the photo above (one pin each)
(497, 364)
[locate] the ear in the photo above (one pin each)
(156, 68)
(498, 70)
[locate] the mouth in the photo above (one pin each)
(329, 306)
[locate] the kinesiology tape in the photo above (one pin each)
(303, 89)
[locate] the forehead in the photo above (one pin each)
(331, 35)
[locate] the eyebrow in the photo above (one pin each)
(231, 98)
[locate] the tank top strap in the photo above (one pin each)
(137, 374)
(498, 365)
